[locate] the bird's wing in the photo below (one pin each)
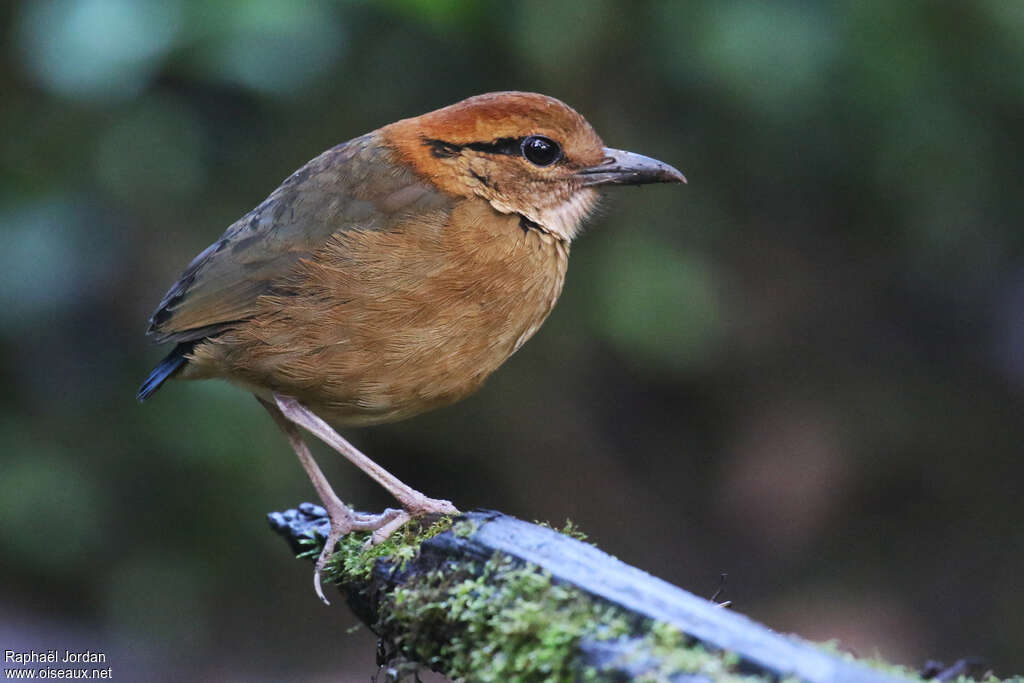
(354, 186)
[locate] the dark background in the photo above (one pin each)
(805, 368)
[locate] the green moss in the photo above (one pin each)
(465, 528)
(354, 559)
(568, 529)
(675, 655)
(505, 621)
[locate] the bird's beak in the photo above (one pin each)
(626, 168)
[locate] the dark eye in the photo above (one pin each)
(541, 151)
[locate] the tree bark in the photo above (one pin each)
(486, 596)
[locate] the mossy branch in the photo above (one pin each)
(487, 597)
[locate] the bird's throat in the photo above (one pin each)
(562, 220)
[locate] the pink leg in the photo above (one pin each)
(343, 519)
(414, 502)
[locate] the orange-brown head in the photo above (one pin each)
(524, 153)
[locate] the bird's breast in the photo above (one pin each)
(381, 325)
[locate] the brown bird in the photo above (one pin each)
(392, 274)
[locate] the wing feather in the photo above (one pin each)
(356, 185)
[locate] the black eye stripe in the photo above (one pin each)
(509, 146)
(442, 149)
(505, 146)
(445, 149)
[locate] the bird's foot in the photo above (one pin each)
(392, 520)
(344, 521)
(381, 533)
(413, 508)
(419, 505)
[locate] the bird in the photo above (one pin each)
(391, 274)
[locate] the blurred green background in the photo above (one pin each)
(805, 368)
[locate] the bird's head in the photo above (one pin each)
(524, 153)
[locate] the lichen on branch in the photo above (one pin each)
(500, 619)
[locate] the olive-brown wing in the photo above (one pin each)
(354, 186)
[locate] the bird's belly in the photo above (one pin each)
(419, 368)
(400, 329)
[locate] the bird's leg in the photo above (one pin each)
(343, 519)
(414, 502)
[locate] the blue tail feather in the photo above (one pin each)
(167, 367)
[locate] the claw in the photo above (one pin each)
(339, 528)
(382, 526)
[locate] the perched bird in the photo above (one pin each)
(392, 274)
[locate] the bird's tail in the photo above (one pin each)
(167, 367)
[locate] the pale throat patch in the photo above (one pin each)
(563, 219)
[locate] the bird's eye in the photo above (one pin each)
(541, 151)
